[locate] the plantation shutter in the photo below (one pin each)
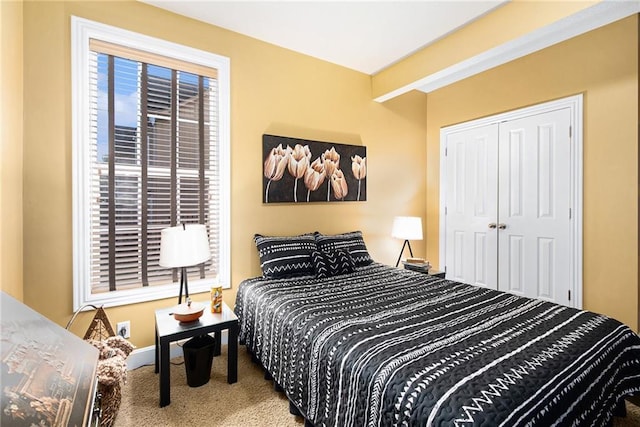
(154, 163)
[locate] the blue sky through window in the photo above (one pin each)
(126, 98)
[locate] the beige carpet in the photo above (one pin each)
(252, 401)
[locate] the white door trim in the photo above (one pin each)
(574, 103)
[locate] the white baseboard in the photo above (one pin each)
(146, 355)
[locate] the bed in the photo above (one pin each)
(382, 346)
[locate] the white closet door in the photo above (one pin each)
(471, 205)
(534, 240)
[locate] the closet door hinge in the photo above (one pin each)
(570, 131)
(570, 214)
(569, 294)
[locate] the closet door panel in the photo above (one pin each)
(534, 201)
(471, 205)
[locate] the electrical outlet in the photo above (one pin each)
(124, 329)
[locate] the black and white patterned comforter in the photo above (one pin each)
(385, 347)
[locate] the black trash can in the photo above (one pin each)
(198, 358)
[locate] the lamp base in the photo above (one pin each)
(188, 312)
(406, 243)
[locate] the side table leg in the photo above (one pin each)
(165, 380)
(156, 351)
(217, 347)
(232, 355)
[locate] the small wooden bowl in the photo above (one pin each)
(188, 312)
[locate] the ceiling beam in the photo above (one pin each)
(584, 20)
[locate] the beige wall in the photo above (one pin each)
(273, 90)
(11, 148)
(603, 65)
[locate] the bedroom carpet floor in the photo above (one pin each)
(252, 401)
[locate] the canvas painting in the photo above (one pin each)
(301, 171)
(47, 374)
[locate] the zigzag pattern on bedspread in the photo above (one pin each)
(385, 347)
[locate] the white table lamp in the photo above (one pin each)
(406, 228)
(181, 247)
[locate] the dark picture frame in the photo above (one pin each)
(300, 171)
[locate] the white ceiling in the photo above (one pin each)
(366, 36)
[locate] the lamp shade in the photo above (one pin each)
(407, 228)
(184, 245)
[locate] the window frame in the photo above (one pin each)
(82, 30)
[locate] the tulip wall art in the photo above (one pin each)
(300, 171)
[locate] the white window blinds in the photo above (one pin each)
(153, 163)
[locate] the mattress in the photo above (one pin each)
(383, 347)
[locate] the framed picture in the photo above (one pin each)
(301, 171)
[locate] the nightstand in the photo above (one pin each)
(436, 273)
(168, 330)
(430, 272)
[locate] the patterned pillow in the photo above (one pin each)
(286, 256)
(332, 264)
(352, 242)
